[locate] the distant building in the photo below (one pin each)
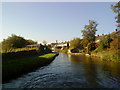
(62, 44)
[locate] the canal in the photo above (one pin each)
(68, 71)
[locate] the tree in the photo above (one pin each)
(44, 49)
(105, 42)
(75, 43)
(89, 34)
(41, 49)
(13, 41)
(30, 42)
(116, 9)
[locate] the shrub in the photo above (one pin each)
(58, 47)
(99, 49)
(111, 56)
(30, 42)
(76, 43)
(105, 42)
(115, 44)
(13, 41)
(75, 50)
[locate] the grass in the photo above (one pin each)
(65, 50)
(19, 49)
(16, 68)
(108, 54)
(111, 56)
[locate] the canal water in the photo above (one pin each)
(68, 71)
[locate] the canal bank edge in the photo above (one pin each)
(20, 67)
(101, 56)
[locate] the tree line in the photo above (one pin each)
(87, 44)
(14, 42)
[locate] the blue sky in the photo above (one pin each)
(53, 21)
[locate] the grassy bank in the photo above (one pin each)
(16, 68)
(109, 55)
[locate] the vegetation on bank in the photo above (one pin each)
(15, 68)
(40, 50)
(20, 56)
(14, 43)
(105, 46)
(109, 47)
(17, 47)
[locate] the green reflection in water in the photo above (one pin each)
(97, 71)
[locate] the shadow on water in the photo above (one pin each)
(69, 71)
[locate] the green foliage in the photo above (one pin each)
(99, 49)
(90, 47)
(30, 42)
(76, 43)
(58, 47)
(89, 36)
(41, 48)
(89, 33)
(13, 41)
(84, 42)
(105, 42)
(111, 56)
(25, 52)
(115, 44)
(116, 9)
(75, 50)
(19, 54)
(44, 49)
(47, 50)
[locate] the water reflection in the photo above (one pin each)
(90, 70)
(98, 73)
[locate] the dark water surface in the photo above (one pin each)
(71, 72)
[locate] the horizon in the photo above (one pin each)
(51, 21)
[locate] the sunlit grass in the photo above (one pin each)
(108, 54)
(15, 68)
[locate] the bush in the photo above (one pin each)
(111, 56)
(75, 50)
(44, 49)
(30, 42)
(13, 41)
(115, 44)
(25, 52)
(19, 54)
(105, 42)
(58, 47)
(99, 49)
(76, 43)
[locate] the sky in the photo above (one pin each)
(51, 21)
